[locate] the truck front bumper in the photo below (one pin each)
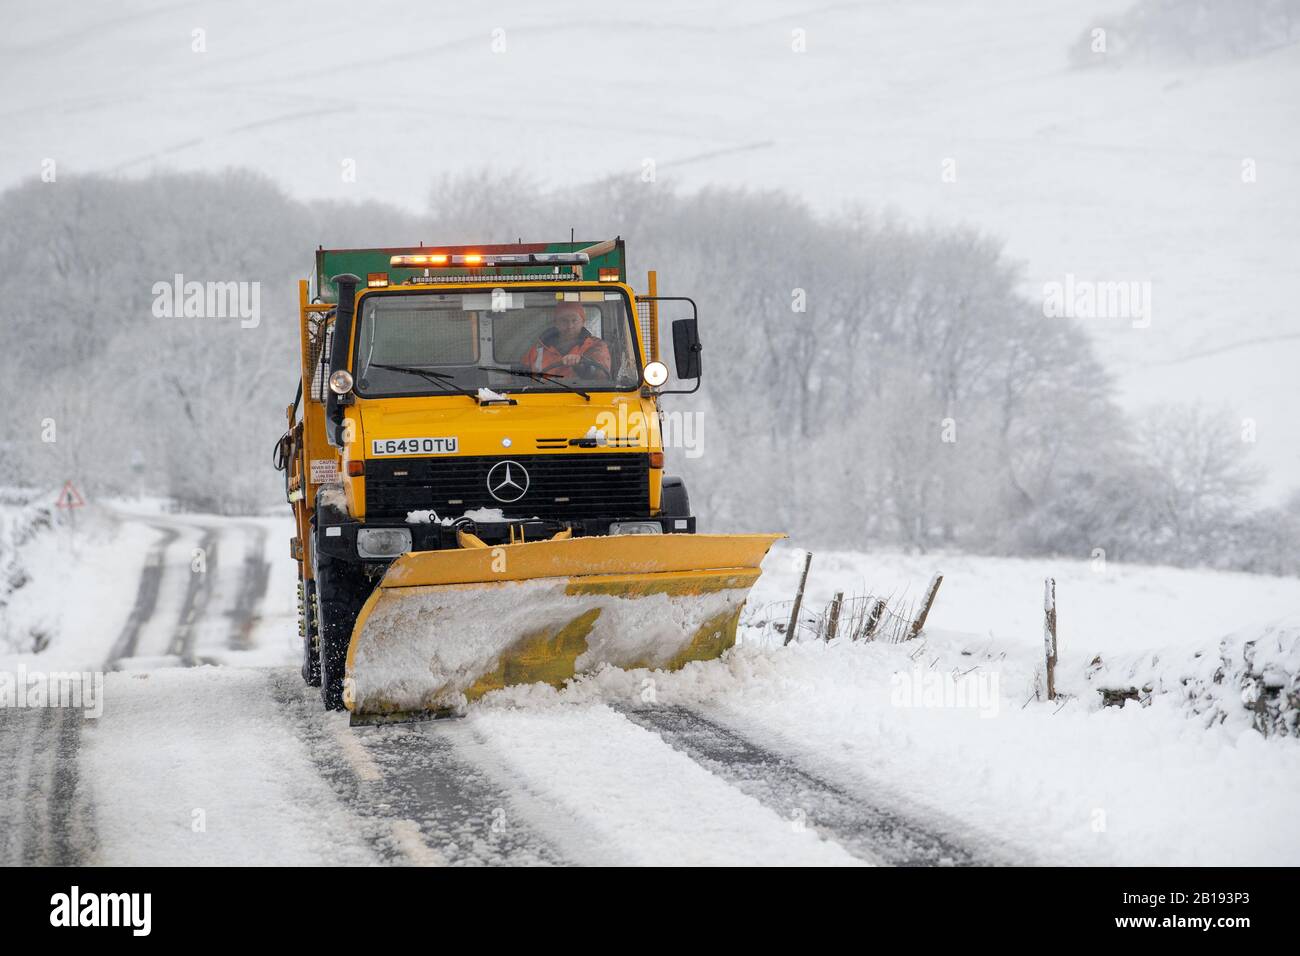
(339, 540)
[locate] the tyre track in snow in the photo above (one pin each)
(22, 804)
(197, 593)
(46, 804)
(418, 801)
(71, 829)
(461, 814)
(865, 828)
(146, 597)
(254, 579)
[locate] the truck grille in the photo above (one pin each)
(589, 485)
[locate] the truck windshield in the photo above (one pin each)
(582, 339)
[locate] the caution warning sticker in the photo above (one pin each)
(324, 471)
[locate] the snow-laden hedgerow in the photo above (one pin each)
(1253, 677)
(21, 520)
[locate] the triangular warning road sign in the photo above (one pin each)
(69, 497)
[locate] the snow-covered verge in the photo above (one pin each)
(67, 581)
(949, 727)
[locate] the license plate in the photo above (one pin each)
(413, 446)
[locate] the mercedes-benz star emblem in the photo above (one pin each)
(507, 481)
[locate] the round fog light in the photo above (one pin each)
(655, 374)
(341, 382)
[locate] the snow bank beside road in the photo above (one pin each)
(69, 582)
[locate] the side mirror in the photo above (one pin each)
(686, 348)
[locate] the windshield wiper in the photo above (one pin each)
(537, 376)
(436, 378)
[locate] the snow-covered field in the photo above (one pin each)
(1133, 173)
(231, 759)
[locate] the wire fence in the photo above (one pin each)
(865, 617)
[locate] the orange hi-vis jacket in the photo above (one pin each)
(546, 353)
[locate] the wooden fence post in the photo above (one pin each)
(798, 599)
(1049, 634)
(834, 623)
(926, 604)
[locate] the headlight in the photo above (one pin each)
(636, 527)
(341, 382)
(383, 542)
(655, 374)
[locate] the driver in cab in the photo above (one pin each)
(567, 348)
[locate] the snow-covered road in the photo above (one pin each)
(210, 750)
(237, 765)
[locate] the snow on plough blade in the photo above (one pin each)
(443, 628)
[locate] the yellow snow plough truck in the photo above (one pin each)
(475, 464)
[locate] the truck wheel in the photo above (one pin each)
(309, 632)
(341, 590)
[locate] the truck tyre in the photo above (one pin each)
(309, 632)
(675, 503)
(341, 590)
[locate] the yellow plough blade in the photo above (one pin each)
(443, 628)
